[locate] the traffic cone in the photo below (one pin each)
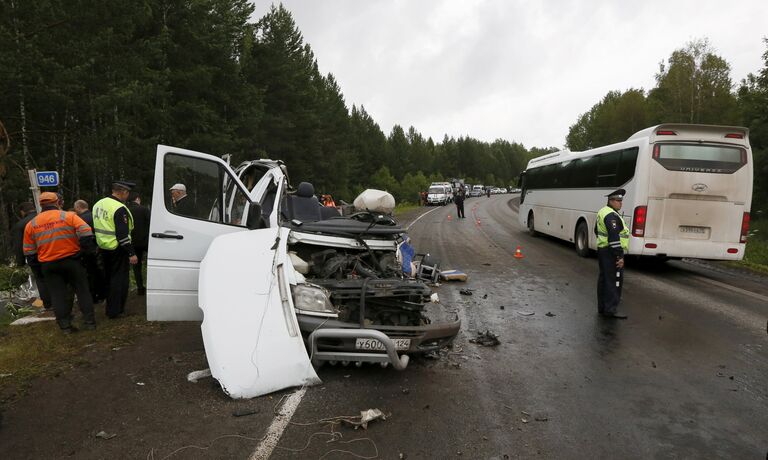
(518, 253)
(478, 221)
(449, 218)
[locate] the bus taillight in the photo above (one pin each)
(663, 132)
(656, 150)
(638, 221)
(734, 136)
(744, 228)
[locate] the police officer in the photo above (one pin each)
(612, 244)
(459, 200)
(113, 223)
(139, 237)
(55, 238)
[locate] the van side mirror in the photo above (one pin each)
(255, 219)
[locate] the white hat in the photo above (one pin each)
(181, 187)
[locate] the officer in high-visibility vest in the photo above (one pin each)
(55, 239)
(112, 224)
(612, 244)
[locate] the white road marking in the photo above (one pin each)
(733, 288)
(417, 219)
(275, 431)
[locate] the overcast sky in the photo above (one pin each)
(517, 70)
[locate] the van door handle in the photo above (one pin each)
(168, 235)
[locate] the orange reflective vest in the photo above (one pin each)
(54, 235)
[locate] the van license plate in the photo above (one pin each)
(691, 229)
(375, 345)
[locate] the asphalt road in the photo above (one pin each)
(686, 376)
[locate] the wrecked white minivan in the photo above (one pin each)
(276, 277)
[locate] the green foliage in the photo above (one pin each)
(11, 278)
(753, 102)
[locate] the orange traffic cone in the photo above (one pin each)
(478, 221)
(449, 217)
(518, 253)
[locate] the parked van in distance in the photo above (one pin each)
(439, 194)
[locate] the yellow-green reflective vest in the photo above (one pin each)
(104, 222)
(602, 231)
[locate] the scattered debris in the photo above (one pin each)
(524, 420)
(660, 317)
(550, 314)
(406, 391)
(541, 419)
(487, 265)
(465, 292)
(2, 376)
(653, 363)
(116, 348)
(501, 307)
(486, 339)
(434, 298)
(364, 419)
(194, 376)
(453, 275)
(30, 319)
(245, 411)
(485, 296)
(141, 384)
(525, 313)
(105, 435)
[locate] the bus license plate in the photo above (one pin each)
(691, 229)
(375, 345)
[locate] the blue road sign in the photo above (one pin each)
(47, 178)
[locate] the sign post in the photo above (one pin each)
(41, 179)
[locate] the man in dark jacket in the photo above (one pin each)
(28, 212)
(139, 237)
(96, 279)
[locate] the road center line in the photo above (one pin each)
(417, 219)
(733, 288)
(275, 431)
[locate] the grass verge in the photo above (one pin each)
(41, 350)
(756, 255)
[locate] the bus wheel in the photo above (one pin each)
(531, 226)
(581, 239)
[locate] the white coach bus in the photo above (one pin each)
(689, 191)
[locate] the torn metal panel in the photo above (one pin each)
(250, 331)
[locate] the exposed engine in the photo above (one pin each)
(368, 287)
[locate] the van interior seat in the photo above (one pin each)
(304, 204)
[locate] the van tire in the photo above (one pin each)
(531, 225)
(581, 239)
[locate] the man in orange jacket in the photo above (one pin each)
(55, 238)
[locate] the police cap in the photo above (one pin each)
(123, 185)
(617, 194)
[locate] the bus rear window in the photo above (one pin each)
(700, 158)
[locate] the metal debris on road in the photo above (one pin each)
(525, 313)
(485, 296)
(366, 417)
(434, 298)
(501, 307)
(465, 292)
(486, 339)
(194, 376)
(105, 435)
(245, 411)
(550, 314)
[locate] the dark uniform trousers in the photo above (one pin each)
(137, 269)
(609, 282)
(117, 274)
(460, 208)
(42, 285)
(60, 273)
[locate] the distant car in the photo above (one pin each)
(477, 190)
(502, 190)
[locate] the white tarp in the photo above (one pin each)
(251, 335)
(376, 201)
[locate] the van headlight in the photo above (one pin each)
(313, 299)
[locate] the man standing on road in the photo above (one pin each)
(113, 224)
(55, 239)
(612, 244)
(459, 200)
(139, 238)
(28, 212)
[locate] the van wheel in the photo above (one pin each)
(531, 226)
(581, 238)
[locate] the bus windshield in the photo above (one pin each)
(437, 190)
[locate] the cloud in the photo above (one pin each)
(518, 70)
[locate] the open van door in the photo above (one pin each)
(216, 203)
